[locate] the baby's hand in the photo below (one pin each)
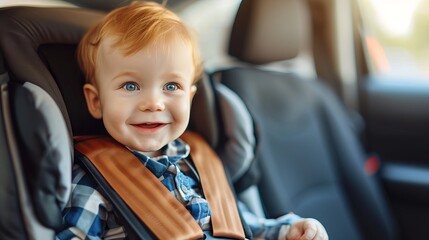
(307, 229)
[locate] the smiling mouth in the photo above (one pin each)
(149, 126)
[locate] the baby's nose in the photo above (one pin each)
(152, 103)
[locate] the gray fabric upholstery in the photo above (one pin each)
(47, 150)
(239, 143)
(18, 219)
(309, 158)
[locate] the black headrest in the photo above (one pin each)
(38, 46)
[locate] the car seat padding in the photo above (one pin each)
(46, 151)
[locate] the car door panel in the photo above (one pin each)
(396, 113)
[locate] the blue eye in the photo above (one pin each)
(171, 86)
(130, 87)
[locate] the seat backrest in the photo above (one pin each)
(37, 66)
(309, 157)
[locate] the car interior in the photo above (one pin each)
(301, 130)
(279, 109)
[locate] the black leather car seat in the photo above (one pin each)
(308, 155)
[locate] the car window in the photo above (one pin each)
(395, 36)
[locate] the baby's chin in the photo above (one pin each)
(148, 147)
(149, 153)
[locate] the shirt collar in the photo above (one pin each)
(170, 154)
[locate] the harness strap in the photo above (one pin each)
(145, 195)
(225, 217)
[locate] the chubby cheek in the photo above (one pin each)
(113, 126)
(114, 116)
(181, 113)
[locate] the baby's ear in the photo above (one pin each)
(92, 100)
(193, 91)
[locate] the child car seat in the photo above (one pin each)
(308, 155)
(42, 106)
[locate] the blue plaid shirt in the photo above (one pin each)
(88, 215)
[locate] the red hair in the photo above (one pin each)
(135, 26)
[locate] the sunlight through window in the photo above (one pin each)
(395, 34)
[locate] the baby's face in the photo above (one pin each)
(145, 98)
